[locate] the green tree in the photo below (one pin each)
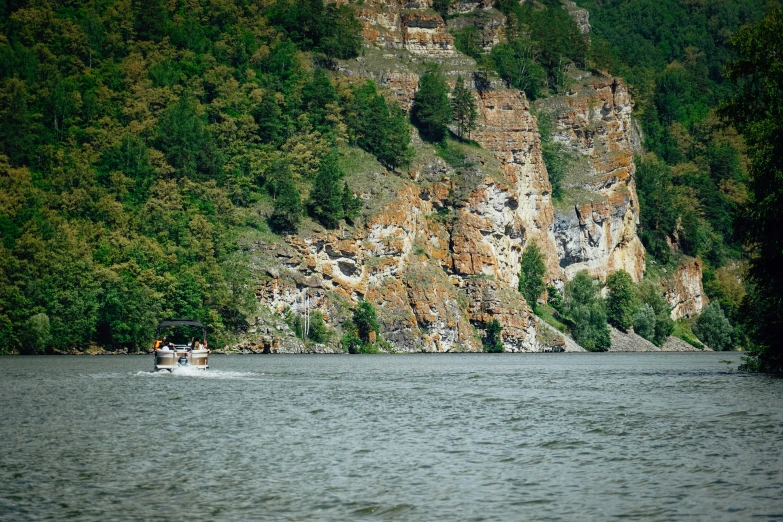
(463, 108)
(326, 199)
(621, 300)
(317, 95)
(468, 40)
(318, 333)
(288, 208)
(341, 33)
(366, 321)
(713, 328)
(644, 322)
(184, 138)
(378, 127)
(586, 310)
(757, 111)
(649, 293)
(35, 335)
(492, 340)
(431, 111)
(531, 275)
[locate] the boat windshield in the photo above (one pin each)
(182, 334)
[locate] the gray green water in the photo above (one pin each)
(649, 436)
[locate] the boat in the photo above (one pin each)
(174, 350)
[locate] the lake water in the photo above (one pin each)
(647, 436)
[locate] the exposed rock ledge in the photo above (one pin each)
(630, 342)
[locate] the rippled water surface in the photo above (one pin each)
(419, 437)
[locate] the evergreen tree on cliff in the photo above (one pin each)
(463, 108)
(288, 207)
(431, 111)
(326, 199)
(756, 110)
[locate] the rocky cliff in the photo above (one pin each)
(437, 250)
(683, 289)
(595, 223)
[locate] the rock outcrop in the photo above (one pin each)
(683, 289)
(510, 132)
(440, 256)
(595, 225)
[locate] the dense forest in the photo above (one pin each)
(135, 136)
(137, 139)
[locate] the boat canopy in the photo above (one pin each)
(180, 322)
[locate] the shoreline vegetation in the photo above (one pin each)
(145, 152)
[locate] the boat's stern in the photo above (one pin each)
(181, 357)
(165, 360)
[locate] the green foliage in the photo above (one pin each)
(585, 308)
(365, 320)
(377, 126)
(542, 43)
(351, 343)
(131, 134)
(468, 41)
(352, 205)
(682, 330)
(515, 63)
(294, 322)
(531, 275)
(756, 111)
(288, 207)
(318, 333)
(644, 322)
(326, 199)
(649, 293)
(556, 159)
(492, 340)
(714, 328)
(35, 335)
(360, 335)
(330, 29)
(554, 298)
(621, 300)
(463, 108)
(431, 111)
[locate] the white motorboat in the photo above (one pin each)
(173, 350)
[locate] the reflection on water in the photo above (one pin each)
(458, 437)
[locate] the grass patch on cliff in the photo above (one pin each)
(683, 330)
(547, 314)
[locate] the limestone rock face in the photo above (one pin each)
(581, 16)
(490, 23)
(511, 133)
(410, 25)
(403, 85)
(494, 300)
(437, 278)
(683, 290)
(424, 33)
(595, 227)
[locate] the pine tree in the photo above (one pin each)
(620, 303)
(431, 110)
(531, 275)
(288, 207)
(463, 108)
(492, 340)
(326, 199)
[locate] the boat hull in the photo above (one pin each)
(168, 360)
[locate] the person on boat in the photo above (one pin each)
(158, 344)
